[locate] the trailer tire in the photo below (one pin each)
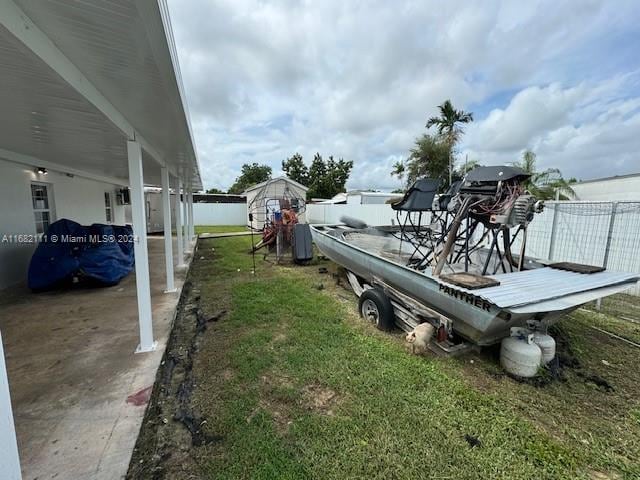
(375, 306)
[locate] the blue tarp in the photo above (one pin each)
(70, 252)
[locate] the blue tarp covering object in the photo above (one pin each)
(71, 253)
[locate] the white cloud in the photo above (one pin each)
(359, 79)
(587, 131)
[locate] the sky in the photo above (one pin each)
(359, 79)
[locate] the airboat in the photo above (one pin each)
(458, 261)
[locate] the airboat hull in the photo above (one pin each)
(482, 316)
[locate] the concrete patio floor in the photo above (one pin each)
(71, 365)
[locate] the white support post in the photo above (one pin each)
(9, 457)
(136, 184)
(192, 228)
(168, 237)
(179, 222)
(185, 211)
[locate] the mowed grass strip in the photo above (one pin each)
(219, 228)
(298, 389)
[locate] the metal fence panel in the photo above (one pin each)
(593, 233)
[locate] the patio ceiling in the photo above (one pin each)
(80, 78)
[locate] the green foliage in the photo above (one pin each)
(328, 178)
(428, 158)
(449, 120)
(215, 190)
(433, 155)
(251, 174)
(325, 178)
(544, 184)
(295, 169)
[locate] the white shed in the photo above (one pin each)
(263, 198)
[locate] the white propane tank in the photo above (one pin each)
(547, 345)
(519, 355)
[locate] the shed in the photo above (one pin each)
(264, 197)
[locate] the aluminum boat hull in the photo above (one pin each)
(473, 317)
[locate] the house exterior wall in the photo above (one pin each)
(375, 215)
(612, 189)
(354, 199)
(78, 199)
(369, 198)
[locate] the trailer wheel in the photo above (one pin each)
(376, 307)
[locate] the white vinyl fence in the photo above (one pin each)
(220, 213)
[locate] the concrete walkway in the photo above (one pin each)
(78, 390)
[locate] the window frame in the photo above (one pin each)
(108, 207)
(50, 210)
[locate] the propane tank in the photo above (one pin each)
(519, 355)
(547, 345)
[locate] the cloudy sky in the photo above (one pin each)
(358, 79)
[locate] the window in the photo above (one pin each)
(41, 206)
(107, 207)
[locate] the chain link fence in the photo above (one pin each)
(594, 233)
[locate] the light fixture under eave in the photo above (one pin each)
(41, 171)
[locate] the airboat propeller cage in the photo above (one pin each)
(272, 197)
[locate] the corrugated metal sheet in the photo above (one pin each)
(544, 284)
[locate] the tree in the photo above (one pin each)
(214, 190)
(251, 174)
(328, 178)
(295, 169)
(428, 158)
(448, 124)
(544, 185)
(325, 178)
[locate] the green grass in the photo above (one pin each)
(219, 228)
(298, 387)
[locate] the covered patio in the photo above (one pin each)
(78, 391)
(93, 111)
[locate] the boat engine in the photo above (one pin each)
(496, 196)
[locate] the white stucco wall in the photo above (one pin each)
(75, 198)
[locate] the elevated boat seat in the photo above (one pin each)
(419, 198)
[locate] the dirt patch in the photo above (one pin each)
(320, 399)
(280, 338)
(172, 427)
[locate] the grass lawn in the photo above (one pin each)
(219, 228)
(287, 382)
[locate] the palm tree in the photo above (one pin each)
(448, 124)
(547, 184)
